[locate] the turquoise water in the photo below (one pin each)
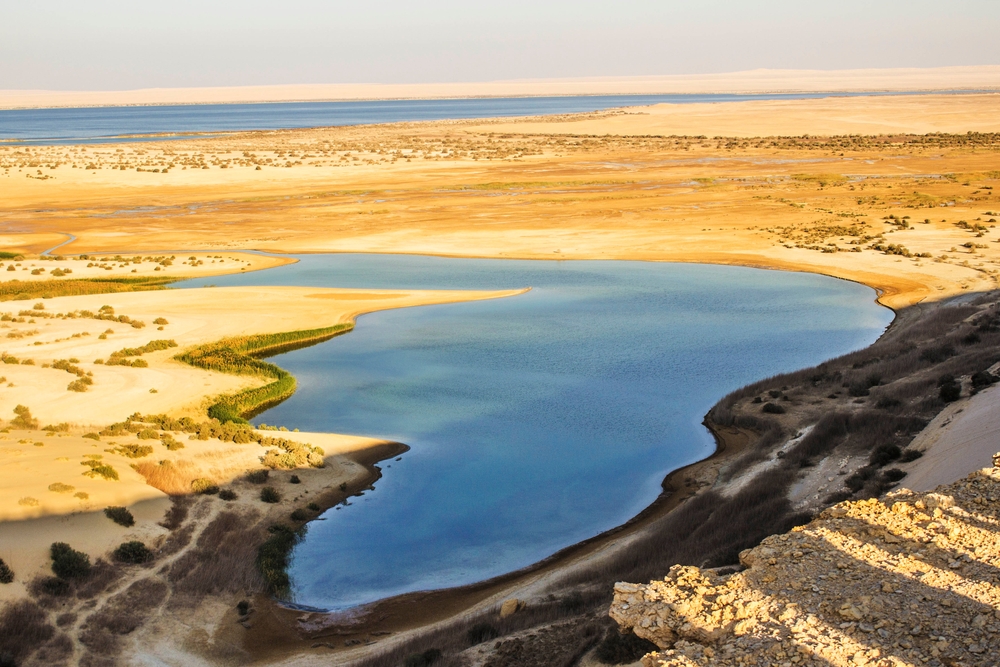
(535, 421)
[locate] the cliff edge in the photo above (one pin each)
(907, 579)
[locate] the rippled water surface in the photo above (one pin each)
(535, 421)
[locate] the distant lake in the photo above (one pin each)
(535, 421)
(108, 124)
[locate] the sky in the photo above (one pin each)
(121, 45)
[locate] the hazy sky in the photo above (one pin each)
(122, 44)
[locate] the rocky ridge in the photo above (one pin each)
(907, 579)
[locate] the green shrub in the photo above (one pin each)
(228, 494)
(893, 474)
(240, 356)
(272, 558)
(269, 494)
(133, 552)
(120, 515)
(68, 563)
(883, 454)
(300, 515)
(6, 574)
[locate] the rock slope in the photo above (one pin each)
(908, 579)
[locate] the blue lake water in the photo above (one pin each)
(107, 124)
(535, 421)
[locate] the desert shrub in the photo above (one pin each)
(893, 474)
(6, 574)
(910, 455)
(160, 321)
(62, 427)
(204, 486)
(98, 469)
(53, 586)
(257, 476)
(950, 392)
(59, 487)
(425, 659)
(857, 481)
(269, 494)
(294, 479)
(23, 420)
(228, 494)
(884, 454)
(313, 506)
(92, 436)
(622, 649)
(68, 563)
(243, 607)
(481, 632)
(80, 385)
(133, 552)
(772, 409)
(133, 451)
(983, 379)
(148, 434)
(299, 514)
(120, 515)
(170, 442)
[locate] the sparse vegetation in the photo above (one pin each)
(23, 420)
(269, 494)
(272, 559)
(120, 515)
(6, 574)
(134, 552)
(241, 356)
(68, 563)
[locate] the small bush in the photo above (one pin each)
(6, 574)
(80, 385)
(883, 454)
(773, 409)
(243, 607)
(619, 649)
(481, 632)
(269, 494)
(59, 487)
(133, 552)
(98, 469)
(983, 379)
(300, 515)
(313, 506)
(950, 392)
(148, 434)
(204, 486)
(258, 476)
(893, 474)
(910, 455)
(160, 321)
(92, 436)
(67, 562)
(23, 420)
(228, 494)
(294, 479)
(133, 451)
(120, 515)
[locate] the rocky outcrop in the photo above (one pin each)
(909, 579)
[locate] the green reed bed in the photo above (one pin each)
(241, 356)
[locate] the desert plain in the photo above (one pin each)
(895, 192)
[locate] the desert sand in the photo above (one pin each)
(754, 81)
